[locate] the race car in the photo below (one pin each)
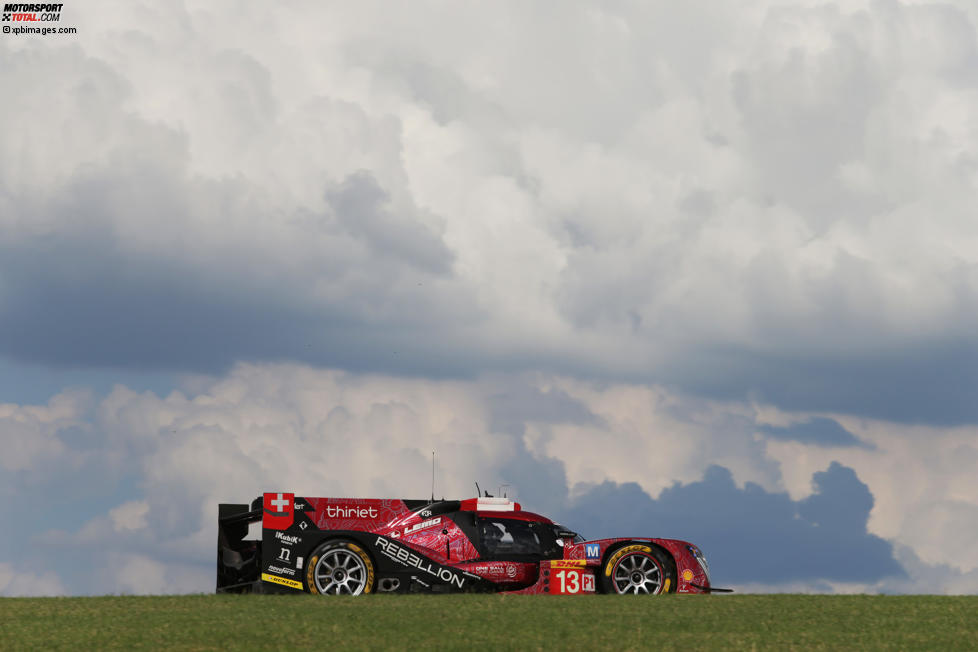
(358, 546)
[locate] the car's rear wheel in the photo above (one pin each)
(340, 567)
(637, 569)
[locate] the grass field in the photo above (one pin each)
(496, 622)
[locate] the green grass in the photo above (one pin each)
(496, 622)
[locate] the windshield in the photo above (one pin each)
(563, 532)
(511, 539)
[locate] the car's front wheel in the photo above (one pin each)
(637, 569)
(340, 567)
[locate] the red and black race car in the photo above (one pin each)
(352, 546)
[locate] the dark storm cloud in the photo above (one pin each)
(363, 208)
(750, 535)
(75, 300)
(819, 431)
(168, 322)
(510, 411)
(215, 205)
(542, 478)
(80, 297)
(933, 382)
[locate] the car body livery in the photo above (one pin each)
(335, 546)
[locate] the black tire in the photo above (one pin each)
(637, 568)
(340, 567)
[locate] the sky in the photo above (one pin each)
(696, 270)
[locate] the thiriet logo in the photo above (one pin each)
(350, 511)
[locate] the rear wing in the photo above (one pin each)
(238, 558)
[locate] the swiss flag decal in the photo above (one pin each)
(278, 510)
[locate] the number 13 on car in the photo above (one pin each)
(570, 578)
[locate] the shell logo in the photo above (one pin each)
(688, 575)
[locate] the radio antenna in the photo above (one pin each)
(478, 492)
(432, 476)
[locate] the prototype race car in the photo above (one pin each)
(354, 546)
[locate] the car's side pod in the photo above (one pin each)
(238, 560)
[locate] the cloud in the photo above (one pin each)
(525, 402)
(361, 206)
(635, 243)
(28, 434)
(749, 534)
(769, 207)
(819, 431)
(921, 479)
(130, 483)
(14, 583)
(930, 578)
(315, 432)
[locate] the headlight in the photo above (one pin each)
(701, 558)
